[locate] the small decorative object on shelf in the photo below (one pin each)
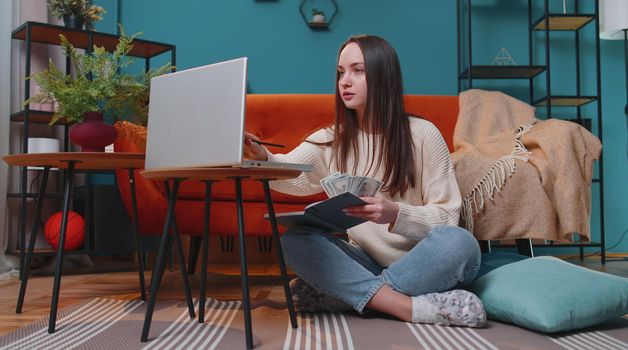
(99, 86)
(322, 12)
(318, 16)
(503, 58)
(93, 134)
(76, 13)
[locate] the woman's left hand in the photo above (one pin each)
(377, 209)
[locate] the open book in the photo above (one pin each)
(327, 214)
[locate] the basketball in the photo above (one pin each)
(75, 232)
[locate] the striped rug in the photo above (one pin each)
(113, 324)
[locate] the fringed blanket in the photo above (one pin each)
(521, 177)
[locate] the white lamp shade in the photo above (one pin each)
(613, 19)
(43, 145)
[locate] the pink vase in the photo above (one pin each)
(92, 134)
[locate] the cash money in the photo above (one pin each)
(360, 186)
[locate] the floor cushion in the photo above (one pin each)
(550, 295)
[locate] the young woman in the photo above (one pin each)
(405, 260)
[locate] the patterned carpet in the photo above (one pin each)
(113, 324)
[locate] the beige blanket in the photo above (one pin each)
(521, 177)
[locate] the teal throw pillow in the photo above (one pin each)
(495, 260)
(550, 295)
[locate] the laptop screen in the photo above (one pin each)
(196, 116)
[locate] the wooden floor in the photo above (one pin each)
(223, 284)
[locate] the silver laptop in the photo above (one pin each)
(196, 119)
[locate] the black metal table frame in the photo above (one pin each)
(59, 254)
(162, 255)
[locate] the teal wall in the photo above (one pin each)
(286, 56)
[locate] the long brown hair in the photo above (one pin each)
(384, 118)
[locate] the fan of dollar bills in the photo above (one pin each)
(360, 186)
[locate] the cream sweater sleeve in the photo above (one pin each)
(307, 183)
(436, 201)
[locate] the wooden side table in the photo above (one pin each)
(209, 176)
(72, 161)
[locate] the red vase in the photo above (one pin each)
(92, 134)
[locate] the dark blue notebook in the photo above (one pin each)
(327, 215)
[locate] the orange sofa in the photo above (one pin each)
(277, 118)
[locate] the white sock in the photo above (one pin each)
(423, 311)
(452, 308)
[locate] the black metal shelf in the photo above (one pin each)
(49, 34)
(37, 117)
(318, 25)
(35, 195)
(564, 22)
(502, 72)
(44, 33)
(546, 23)
(565, 101)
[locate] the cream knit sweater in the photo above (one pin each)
(433, 202)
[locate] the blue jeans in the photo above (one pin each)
(448, 257)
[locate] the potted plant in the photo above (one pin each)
(76, 13)
(318, 16)
(98, 86)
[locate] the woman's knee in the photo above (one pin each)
(288, 238)
(458, 241)
(296, 241)
(295, 233)
(291, 240)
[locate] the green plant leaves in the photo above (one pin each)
(99, 83)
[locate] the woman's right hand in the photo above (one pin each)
(253, 150)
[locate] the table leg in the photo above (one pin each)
(31, 244)
(205, 247)
(282, 264)
(59, 259)
(194, 251)
(184, 273)
(243, 268)
(162, 256)
(22, 221)
(136, 231)
(88, 213)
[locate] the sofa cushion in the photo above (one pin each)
(442, 111)
(549, 295)
(283, 119)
